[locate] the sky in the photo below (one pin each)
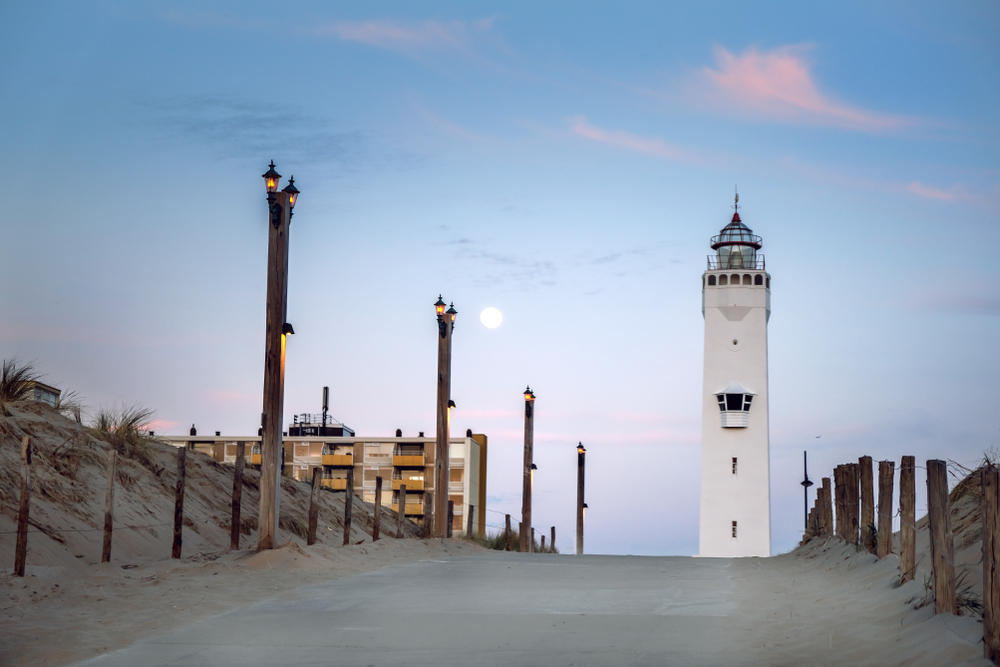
(566, 163)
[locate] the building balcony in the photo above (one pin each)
(409, 461)
(339, 460)
(255, 459)
(335, 483)
(412, 509)
(411, 484)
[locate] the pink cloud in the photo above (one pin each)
(930, 192)
(779, 84)
(159, 425)
(581, 127)
(410, 36)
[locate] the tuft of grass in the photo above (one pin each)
(16, 381)
(496, 541)
(123, 428)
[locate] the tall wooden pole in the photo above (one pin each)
(317, 480)
(867, 503)
(109, 505)
(826, 513)
(468, 521)
(234, 522)
(506, 532)
(275, 339)
(451, 518)
(552, 540)
(446, 324)
(377, 520)
(175, 551)
(348, 505)
(21, 549)
(529, 440)
(581, 463)
(883, 546)
(401, 507)
(907, 519)
(942, 542)
(990, 484)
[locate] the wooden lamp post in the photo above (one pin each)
(280, 205)
(446, 324)
(581, 462)
(529, 467)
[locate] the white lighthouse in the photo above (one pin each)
(735, 488)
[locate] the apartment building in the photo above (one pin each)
(398, 460)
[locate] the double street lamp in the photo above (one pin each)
(446, 324)
(277, 329)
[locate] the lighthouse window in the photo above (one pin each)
(746, 278)
(711, 280)
(758, 279)
(735, 279)
(734, 465)
(734, 402)
(723, 280)
(734, 529)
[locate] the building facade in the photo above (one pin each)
(735, 511)
(398, 460)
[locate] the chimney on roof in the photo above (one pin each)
(468, 433)
(399, 433)
(420, 434)
(218, 433)
(193, 430)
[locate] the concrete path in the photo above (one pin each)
(513, 609)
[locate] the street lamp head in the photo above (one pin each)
(286, 329)
(451, 313)
(271, 178)
(439, 306)
(580, 449)
(293, 192)
(534, 467)
(451, 404)
(528, 394)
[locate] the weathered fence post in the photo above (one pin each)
(531, 541)
(109, 504)
(175, 552)
(942, 543)
(542, 550)
(348, 505)
(506, 533)
(428, 526)
(853, 515)
(377, 520)
(907, 519)
(451, 518)
(401, 510)
(826, 515)
(990, 483)
(468, 522)
(552, 542)
(21, 550)
(867, 503)
(838, 491)
(234, 522)
(314, 505)
(886, 470)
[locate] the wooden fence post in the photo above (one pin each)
(21, 550)
(942, 543)
(826, 516)
(990, 484)
(234, 522)
(451, 518)
(853, 513)
(886, 470)
(314, 505)
(428, 526)
(109, 504)
(838, 491)
(175, 552)
(468, 522)
(531, 542)
(506, 533)
(867, 503)
(401, 510)
(552, 542)
(377, 520)
(543, 544)
(348, 505)
(907, 519)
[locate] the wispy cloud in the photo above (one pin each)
(925, 191)
(779, 84)
(410, 36)
(159, 425)
(581, 127)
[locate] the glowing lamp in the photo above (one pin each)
(451, 312)
(528, 394)
(439, 306)
(286, 329)
(580, 449)
(293, 192)
(271, 178)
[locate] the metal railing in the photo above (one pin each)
(735, 262)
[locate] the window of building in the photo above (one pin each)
(735, 279)
(723, 280)
(734, 465)
(734, 529)
(746, 279)
(768, 283)
(711, 280)
(758, 279)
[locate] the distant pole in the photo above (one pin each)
(581, 463)
(552, 541)
(109, 504)
(277, 329)
(21, 549)
(506, 532)
(401, 507)
(451, 517)
(806, 483)
(529, 440)
(446, 324)
(826, 512)
(234, 522)
(468, 522)
(348, 505)
(317, 480)
(377, 520)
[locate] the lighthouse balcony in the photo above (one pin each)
(736, 261)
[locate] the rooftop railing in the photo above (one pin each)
(735, 262)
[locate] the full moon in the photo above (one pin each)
(491, 317)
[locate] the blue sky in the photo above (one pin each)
(564, 163)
